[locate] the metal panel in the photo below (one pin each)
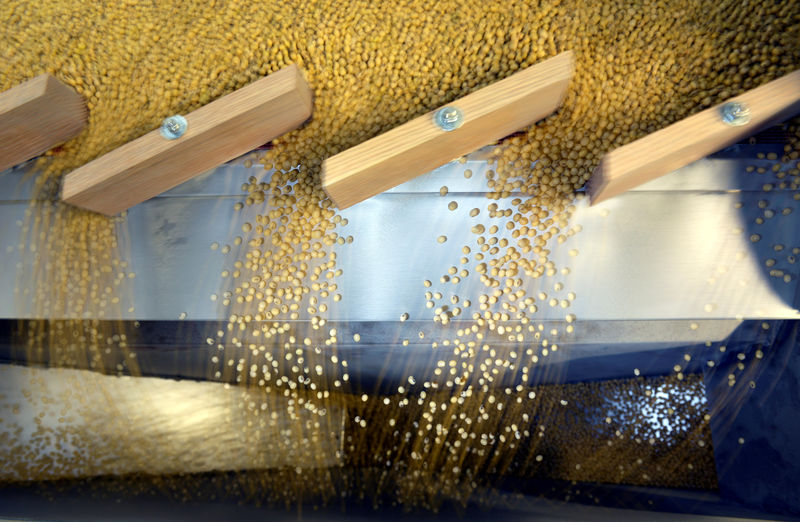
(674, 249)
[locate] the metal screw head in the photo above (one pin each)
(448, 118)
(735, 113)
(174, 127)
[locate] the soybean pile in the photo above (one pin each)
(373, 66)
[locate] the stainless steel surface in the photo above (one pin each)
(675, 249)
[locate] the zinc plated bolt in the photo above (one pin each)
(735, 113)
(448, 118)
(174, 127)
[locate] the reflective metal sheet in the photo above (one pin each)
(677, 248)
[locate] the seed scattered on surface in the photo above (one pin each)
(297, 216)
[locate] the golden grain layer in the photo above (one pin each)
(372, 66)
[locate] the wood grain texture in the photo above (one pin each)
(419, 145)
(37, 115)
(217, 132)
(691, 139)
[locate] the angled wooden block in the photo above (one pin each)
(692, 138)
(420, 145)
(37, 115)
(217, 132)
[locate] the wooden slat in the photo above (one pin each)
(217, 132)
(37, 115)
(419, 145)
(691, 139)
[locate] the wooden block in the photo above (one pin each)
(217, 132)
(691, 139)
(37, 115)
(419, 145)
